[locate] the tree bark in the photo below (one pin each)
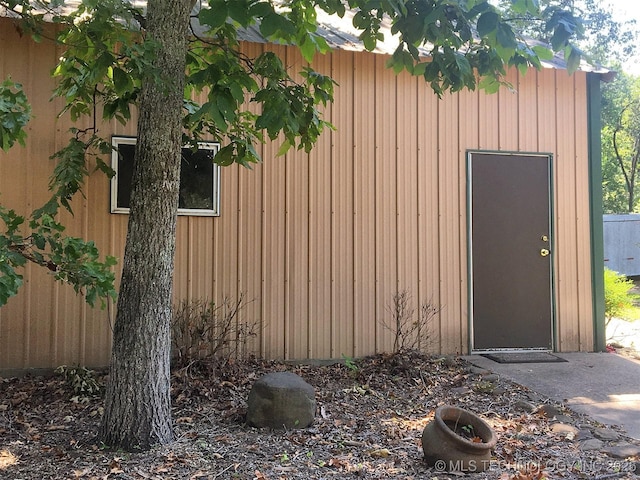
(138, 403)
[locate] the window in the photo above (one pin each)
(199, 178)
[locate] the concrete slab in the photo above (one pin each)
(605, 386)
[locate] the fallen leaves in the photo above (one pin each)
(7, 459)
(114, 466)
(379, 452)
(368, 426)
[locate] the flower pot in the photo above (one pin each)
(458, 440)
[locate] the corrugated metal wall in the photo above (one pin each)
(320, 242)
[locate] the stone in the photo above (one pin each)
(478, 371)
(622, 451)
(281, 400)
(564, 429)
(524, 406)
(460, 390)
(584, 434)
(606, 434)
(564, 419)
(449, 361)
(591, 444)
(549, 411)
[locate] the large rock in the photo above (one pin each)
(281, 400)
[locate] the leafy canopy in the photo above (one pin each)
(621, 143)
(451, 44)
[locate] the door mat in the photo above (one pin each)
(523, 357)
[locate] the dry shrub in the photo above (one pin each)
(410, 332)
(203, 329)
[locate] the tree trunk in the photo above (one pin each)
(138, 403)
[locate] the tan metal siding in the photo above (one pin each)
(407, 190)
(528, 112)
(452, 263)
(320, 235)
(319, 243)
(566, 235)
(583, 230)
(488, 132)
(364, 184)
(385, 204)
(508, 114)
(470, 126)
(275, 335)
(342, 208)
(428, 209)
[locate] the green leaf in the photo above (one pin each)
(487, 23)
(505, 36)
(239, 11)
(277, 26)
(10, 281)
(261, 9)
(121, 80)
(15, 113)
(560, 38)
(308, 48)
(225, 156)
(215, 16)
(543, 53)
(284, 148)
(463, 64)
(573, 61)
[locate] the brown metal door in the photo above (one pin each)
(510, 250)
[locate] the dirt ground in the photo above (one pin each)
(369, 422)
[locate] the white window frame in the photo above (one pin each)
(198, 212)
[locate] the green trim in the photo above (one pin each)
(596, 210)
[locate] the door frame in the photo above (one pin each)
(552, 243)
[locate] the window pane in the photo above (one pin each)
(199, 177)
(196, 179)
(125, 173)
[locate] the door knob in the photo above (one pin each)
(544, 252)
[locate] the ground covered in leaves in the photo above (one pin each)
(369, 421)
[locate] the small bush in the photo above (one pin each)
(80, 379)
(203, 329)
(410, 331)
(617, 295)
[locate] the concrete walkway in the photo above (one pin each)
(605, 386)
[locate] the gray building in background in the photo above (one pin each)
(622, 243)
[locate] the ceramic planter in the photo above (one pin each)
(458, 440)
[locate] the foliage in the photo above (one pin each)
(621, 143)
(617, 295)
(80, 379)
(203, 329)
(15, 113)
(410, 332)
(350, 363)
(69, 259)
(604, 39)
